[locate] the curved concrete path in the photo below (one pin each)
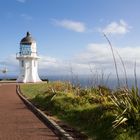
(16, 121)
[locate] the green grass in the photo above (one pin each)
(32, 90)
(88, 110)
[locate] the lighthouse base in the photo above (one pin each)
(28, 70)
(22, 79)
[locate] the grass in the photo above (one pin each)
(90, 110)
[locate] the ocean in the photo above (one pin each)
(86, 80)
(89, 80)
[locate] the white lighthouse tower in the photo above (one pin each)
(28, 60)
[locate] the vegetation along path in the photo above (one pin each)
(16, 121)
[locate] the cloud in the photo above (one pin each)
(70, 25)
(96, 57)
(11, 64)
(100, 56)
(52, 65)
(26, 17)
(21, 1)
(120, 27)
(9, 61)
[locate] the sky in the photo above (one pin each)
(69, 34)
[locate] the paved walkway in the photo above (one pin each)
(16, 121)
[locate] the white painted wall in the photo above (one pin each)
(28, 65)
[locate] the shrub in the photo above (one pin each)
(127, 106)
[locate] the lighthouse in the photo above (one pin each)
(28, 60)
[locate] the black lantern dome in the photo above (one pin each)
(28, 40)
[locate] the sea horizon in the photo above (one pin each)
(87, 80)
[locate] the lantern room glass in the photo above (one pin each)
(25, 49)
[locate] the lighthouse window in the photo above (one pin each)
(25, 49)
(22, 63)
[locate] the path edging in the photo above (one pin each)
(57, 129)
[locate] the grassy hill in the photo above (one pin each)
(99, 112)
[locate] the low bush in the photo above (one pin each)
(127, 106)
(101, 113)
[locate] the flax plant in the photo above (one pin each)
(113, 55)
(127, 107)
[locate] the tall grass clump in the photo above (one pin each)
(114, 59)
(126, 103)
(127, 110)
